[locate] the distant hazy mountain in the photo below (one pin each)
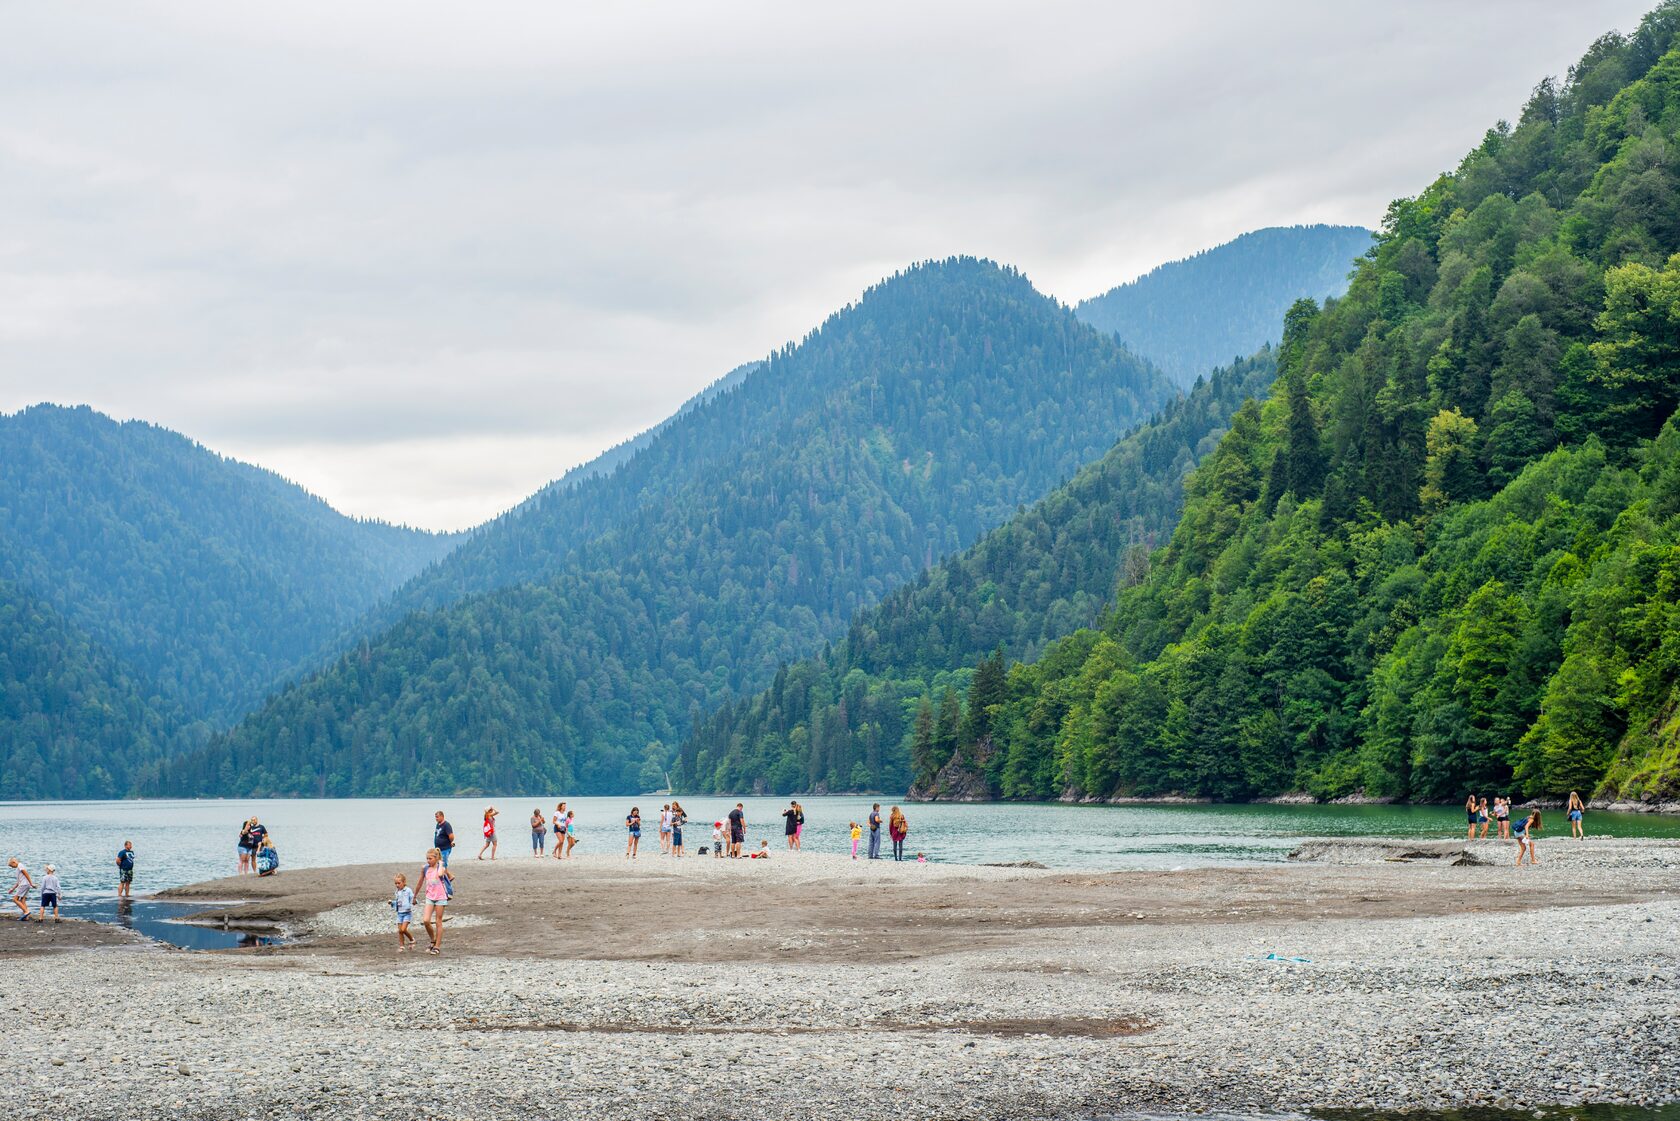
(207, 578)
(1227, 302)
(745, 533)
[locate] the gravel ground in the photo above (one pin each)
(1554, 1006)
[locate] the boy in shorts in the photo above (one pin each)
(49, 893)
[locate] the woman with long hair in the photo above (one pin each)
(898, 828)
(1577, 811)
(434, 888)
(489, 833)
(1470, 813)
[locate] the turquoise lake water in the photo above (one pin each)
(180, 842)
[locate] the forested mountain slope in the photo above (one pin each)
(207, 577)
(1227, 302)
(742, 536)
(75, 722)
(1443, 556)
(837, 721)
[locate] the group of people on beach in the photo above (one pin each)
(256, 849)
(1479, 815)
(52, 892)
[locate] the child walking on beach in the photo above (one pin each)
(633, 823)
(49, 893)
(1524, 832)
(435, 886)
(403, 904)
(20, 887)
(857, 835)
(717, 839)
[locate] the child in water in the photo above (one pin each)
(403, 904)
(921, 858)
(857, 835)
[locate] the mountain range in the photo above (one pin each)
(575, 640)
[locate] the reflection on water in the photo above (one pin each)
(159, 920)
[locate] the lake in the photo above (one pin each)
(181, 842)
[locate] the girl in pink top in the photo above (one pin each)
(434, 888)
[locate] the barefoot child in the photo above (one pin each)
(20, 888)
(1524, 832)
(857, 835)
(403, 904)
(49, 893)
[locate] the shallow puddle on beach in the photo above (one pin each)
(159, 920)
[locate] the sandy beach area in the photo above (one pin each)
(1366, 974)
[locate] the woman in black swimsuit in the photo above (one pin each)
(792, 815)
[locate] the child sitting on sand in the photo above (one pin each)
(49, 893)
(763, 852)
(403, 904)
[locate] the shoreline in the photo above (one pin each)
(1366, 974)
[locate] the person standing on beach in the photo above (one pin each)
(1470, 815)
(717, 839)
(434, 885)
(678, 819)
(20, 887)
(633, 823)
(125, 869)
(665, 828)
(1577, 811)
(875, 832)
(402, 902)
(857, 835)
(737, 828)
(1502, 817)
(443, 837)
(898, 828)
(489, 833)
(539, 833)
(49, 893)
(792, 828)
(1482, 816)
(559, 829)
(247, 847)
(1524, 831)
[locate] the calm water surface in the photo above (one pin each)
(181, 842)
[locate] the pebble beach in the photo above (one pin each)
(1359, 975)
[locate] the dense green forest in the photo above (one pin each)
(208, 578)
(740, 537)
(74, 720)
(1224, 303)
(837, 721)
(1444, 554)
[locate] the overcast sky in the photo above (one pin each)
(423, 258)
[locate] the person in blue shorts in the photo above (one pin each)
(1577, 811)
(49, 893)
(633, 823)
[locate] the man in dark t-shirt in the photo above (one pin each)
(125, 869)
(875, 832)
(737, 828)
(443, 838)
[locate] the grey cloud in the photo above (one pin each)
(424, 258)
